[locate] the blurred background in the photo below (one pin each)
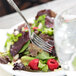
(5, 8)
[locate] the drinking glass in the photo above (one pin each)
(65, 38)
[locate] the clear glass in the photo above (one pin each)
(65, 38)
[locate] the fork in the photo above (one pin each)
(33, 37)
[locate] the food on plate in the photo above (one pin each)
(52, 64)
(23, 54)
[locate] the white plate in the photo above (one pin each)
(9, 69)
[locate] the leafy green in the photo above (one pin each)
(44, 55)
(8, 45)
(43, 61)
(26, 52)
(48, 31)
(24, 47)
(45, 68)
(42, 66)
(7, 53)
(26, 59)
(11, 39)
(19, 35)
(41, 20)
(43, 29)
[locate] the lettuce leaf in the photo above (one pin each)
(43, 67)
(26, 52)
(7, 53)
(11, 39)
(24, 47)
(44, 55)
(26, 59)
(48, 31)
(41, 20)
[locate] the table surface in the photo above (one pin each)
(13, 19)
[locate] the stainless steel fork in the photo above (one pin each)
(33, 37)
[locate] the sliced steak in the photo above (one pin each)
(16, 47)
(48, 12)
(49, 20)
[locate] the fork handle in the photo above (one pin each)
(13, 4)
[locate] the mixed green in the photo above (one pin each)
(23, 54)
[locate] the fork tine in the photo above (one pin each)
(41, 46)
(40, 39)
(41, 43)
(45, 48)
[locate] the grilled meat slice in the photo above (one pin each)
(16, 47)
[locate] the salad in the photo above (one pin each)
(22, 54)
